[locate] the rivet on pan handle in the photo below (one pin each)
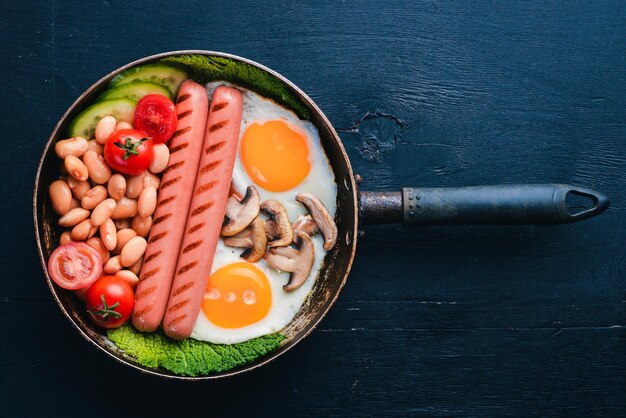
(502, 204)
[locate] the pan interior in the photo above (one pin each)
(337, 263)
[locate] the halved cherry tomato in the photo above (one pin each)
(155, 114)
(110, 301)
(129, 151)
(75, 265)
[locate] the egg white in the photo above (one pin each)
(320, 182)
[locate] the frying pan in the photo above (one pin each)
(504, 204)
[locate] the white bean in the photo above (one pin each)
(83, 231)
(123, 236)
(73, 217)
(160, 159)
(125, 208)
(95, 147)
(123, 125)
(134, 186)
(79, 188)
(104, 128)
(133, 251)
(147, 201)
(98, 169)
(60, 196)
(142, 225)
(117, 186)
(97, 243)
(128, 276)
(76, 168)
(103, 211)
(122, 223)
(93, 197)
(73, 146)
(65, 238)
(113, 265)
(108, 234)
(136, 268)
(151, 180)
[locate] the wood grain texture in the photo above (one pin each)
(434, 321)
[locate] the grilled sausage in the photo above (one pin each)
(168, 225)
(206, 212)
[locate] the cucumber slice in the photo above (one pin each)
(135, 91)
(85, 123)
(159, 73)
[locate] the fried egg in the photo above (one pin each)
(278, 150)
(246, 300)
(281, 156)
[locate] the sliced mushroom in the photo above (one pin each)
(297, 261)
(277, 227)
(322, 218)
(305, 223)
(240, 214)
(253, 238)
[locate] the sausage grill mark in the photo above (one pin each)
(186, 268)
(169, 183)
(179, 305)
(173, 167)
(192, 246)
(180, 132)
(157, 237)
(209, 167)
(150, 273)
(182, 98)
(145, 292)
(166, 201)
(185, 114)
(179, 147)
(197, 211)
(177, 320)
(217, 126)
(151, 256)
(215, 147)
(219, 106)
(205, 187)
(181, 289)
(195, 227)
(144, 310)
(160, 219)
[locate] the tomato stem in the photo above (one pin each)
(130, 147)
(105, 312)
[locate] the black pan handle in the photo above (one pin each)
(503, 204)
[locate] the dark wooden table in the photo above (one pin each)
(434, 321)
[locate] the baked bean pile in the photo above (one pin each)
(109, 211)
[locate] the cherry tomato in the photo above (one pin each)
(75, 265)
(110, 301)
(129, 151)
(155, 114)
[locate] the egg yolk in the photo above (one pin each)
(275, 155)
(237, 295)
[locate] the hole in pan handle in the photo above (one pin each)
(502, 204)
